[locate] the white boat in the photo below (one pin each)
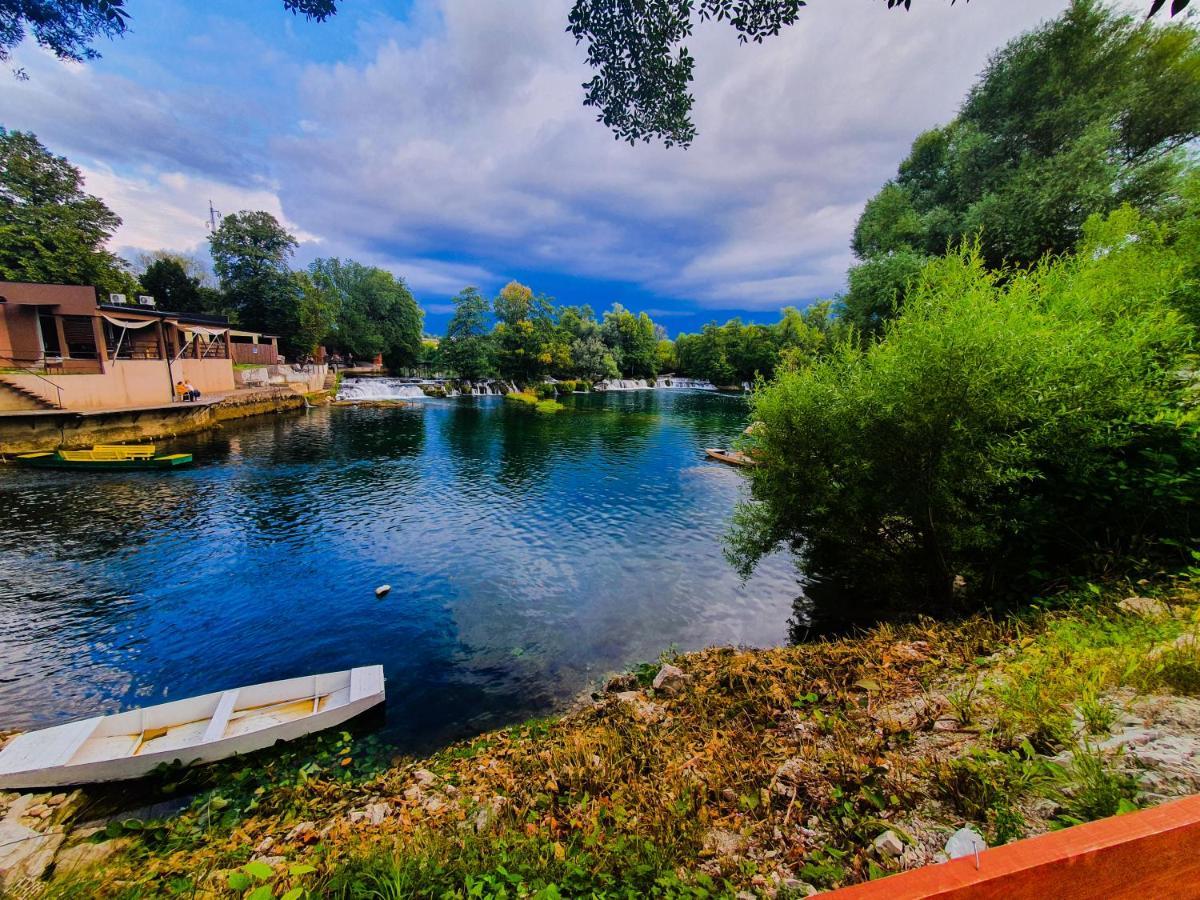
(196, 730)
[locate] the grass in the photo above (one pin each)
(769, 764)
(532, 401)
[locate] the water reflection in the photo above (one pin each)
(527, 554)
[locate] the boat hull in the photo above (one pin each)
(366, 691)
(55, 461)
(731, 457)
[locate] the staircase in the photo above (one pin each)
(21, 397)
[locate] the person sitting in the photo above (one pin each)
(193, 394)
(181, 391)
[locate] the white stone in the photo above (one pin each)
(1146, 607)
(87, 854)
(889, 844)
(670, 680)
(25, 854)
(965, 842)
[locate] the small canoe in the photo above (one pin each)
(733, 457)
(196, 730)
(105, 457)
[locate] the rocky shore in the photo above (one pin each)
(740, 773)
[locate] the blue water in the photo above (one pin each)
(528, 555)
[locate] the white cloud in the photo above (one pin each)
(460, 133)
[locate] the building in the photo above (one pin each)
(62, 349)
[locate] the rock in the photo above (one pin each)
(38, 811)
(790, 774)
(744, 895)
(620, 683)
(57, 799)
(25, 854)
(1134, 737)
(88, 854)
(487, 814)
(271, 861)
(643, 710)
(965, 842)
(1185, 643)
(372, 814)
(19, 807)
(723, 842)
(1146, 607)
(302, 831)
(671, 680)
(888, 845)
(264, 845)
(797, 888)
(425, 778)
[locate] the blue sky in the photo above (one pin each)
(445, 140)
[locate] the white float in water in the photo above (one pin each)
(382, 589)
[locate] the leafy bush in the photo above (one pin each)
(544, 390)
(1010, 425)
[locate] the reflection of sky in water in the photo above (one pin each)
(528, 556)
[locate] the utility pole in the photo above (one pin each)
(213, 215)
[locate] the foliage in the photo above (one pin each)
(643, 71)
(878, 286)
(68, 28)
(467, 349)
(526, 337)
(1073, 118)
(316, 310)
(172, 287)
(50, 229)
(1009, 426)
(374, 312)
(632, 340)
(250, 245)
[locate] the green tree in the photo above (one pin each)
(1010, 426)
(251, 252)
(1091, 111)
(527, 345)
(375, 312)
(591, 359)
(316, 310)
(172, 287)
(50, 229)
(467, 349)
(877, 288)
(632, 340)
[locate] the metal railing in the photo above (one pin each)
(8, 362)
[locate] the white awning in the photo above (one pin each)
(130, 323)
(207, 332)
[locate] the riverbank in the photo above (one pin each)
(774, 772)
(36, 430)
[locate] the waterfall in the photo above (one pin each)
(664, 382)
(379, 389)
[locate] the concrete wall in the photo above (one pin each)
(20, 338)
(208, 376)
(52, 430)
(307, 381)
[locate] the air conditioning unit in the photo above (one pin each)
(116, 298)
(145, 300)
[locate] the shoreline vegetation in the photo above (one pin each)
(711, 774)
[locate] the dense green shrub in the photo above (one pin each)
(544, 390)
(1011, 424)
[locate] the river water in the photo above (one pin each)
(528, 555)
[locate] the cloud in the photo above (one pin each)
(452, 146)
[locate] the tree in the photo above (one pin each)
(632, 341)
(166, 280)
(50, 229)
(68, 28)
(1091, 111)
(525, 337)
(250, 252)
(592, 360)
(877, 288)
(643, 70)
(467, 349)
(1010, 427)
(316, 310)
(375, 313)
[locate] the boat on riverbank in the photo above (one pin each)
(197, 730)
(105, 457)
(732, 457)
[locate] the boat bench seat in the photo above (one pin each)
(220, 719)
(123, 451)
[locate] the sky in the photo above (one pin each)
(446, 141)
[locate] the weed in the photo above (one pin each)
(1091, 788)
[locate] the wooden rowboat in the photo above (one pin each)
(196, 730)
(105, 457)
(733, 457)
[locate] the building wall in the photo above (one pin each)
(208, 376)
(20, 340)
(129, 382)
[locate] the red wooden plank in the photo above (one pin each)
(1121, 857)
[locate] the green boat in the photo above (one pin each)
(105, 458)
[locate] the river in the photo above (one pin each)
(528, 555)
